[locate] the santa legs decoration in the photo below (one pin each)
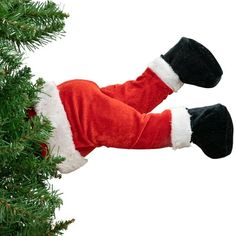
(86, 116)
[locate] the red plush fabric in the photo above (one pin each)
(115, 116)
(143, 94)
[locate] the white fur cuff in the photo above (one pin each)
(181, 128)
(165, 72)
(61, 142)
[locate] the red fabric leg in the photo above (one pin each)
(99, 120)
(143, 94)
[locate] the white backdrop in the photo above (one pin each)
(145, 192)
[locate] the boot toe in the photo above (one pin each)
(209, 69)
(194, 63)
(214, 131)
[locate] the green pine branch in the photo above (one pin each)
(27, 200)
(59, 227)
(29, 210)
(10, 60)
(31, 24)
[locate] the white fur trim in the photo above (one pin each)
(181, 128)
(61, 142)
(165, 72)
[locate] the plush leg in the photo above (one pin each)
(85, 118)
(143, 94)
(99, 120)
(187, 62)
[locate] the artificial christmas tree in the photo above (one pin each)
(27, 200)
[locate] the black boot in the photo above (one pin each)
(194, 63)
(212, 129)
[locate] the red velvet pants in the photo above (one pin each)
(117, 115)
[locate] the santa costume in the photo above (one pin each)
(85, 116)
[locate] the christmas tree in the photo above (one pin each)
(27, 200)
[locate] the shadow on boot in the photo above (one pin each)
(212, 129)
(194, 63)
